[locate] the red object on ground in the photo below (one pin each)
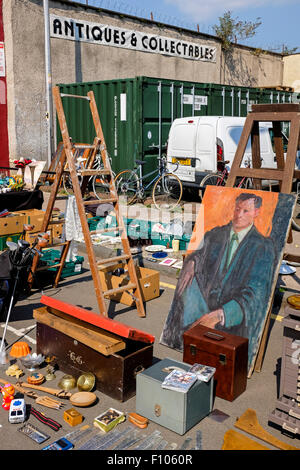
(98, 320)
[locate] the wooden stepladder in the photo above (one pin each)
(79, 187)
(284, 173)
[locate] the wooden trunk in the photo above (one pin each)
(115, 373)
(227, 353)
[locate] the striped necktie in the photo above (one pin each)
(231, 249)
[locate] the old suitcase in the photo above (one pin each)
(177, 411)
(116, 372)
(227, 353)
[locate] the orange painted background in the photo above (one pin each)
(219, 204)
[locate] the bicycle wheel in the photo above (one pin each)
(67, 184)
(127, 185)
(244, 183)
(100, 186)
(167, 192)
(212, 179)
(248, 184)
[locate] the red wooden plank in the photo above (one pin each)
(98, 320)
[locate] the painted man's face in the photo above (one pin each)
(244, 214)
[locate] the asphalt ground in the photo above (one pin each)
(260, 395)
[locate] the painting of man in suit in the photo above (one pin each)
(226, 282)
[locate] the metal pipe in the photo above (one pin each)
(159, 118)
(49, 113)
(172, 102)
(193, 95)
(223, 101)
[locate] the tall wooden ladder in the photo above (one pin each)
(284, 173)
(68, 157)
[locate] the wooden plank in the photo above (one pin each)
(249, 423)
(234, 440)
(276, 108)
(100, 201)
(256, 157)
(239, 154)
(278, 144)
(113, 259)
(261, 173)
(94, 319)
(117, 290)
(101, 340)
(291, 154)
(263, 341)
(93, 171)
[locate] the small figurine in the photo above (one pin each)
(8, 392)
(50, 373)
(14, 371)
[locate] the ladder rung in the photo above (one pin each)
(113, 259)
(57, 244)
(100, 201)
(75, 96)
(93, 171)
(103, 230)
(84, 146)
(128, 286)
(56, 222)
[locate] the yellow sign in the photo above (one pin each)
(182, 161)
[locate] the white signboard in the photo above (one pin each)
(194, 99)
(105, 35)
(2, 60)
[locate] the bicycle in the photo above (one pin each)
(220, 178)
(98, 185)
(167, 189)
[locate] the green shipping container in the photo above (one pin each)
(136, 113)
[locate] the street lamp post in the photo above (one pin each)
(48, 74)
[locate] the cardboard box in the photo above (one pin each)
(148, 281)
(12, 224)
(31, 236)
(57, 229)
(34, 217)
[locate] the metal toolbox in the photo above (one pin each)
(177, 411)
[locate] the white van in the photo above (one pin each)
(196, 144)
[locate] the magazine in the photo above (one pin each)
(179, 381)
(203, 373)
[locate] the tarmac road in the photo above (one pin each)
(260, 395)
